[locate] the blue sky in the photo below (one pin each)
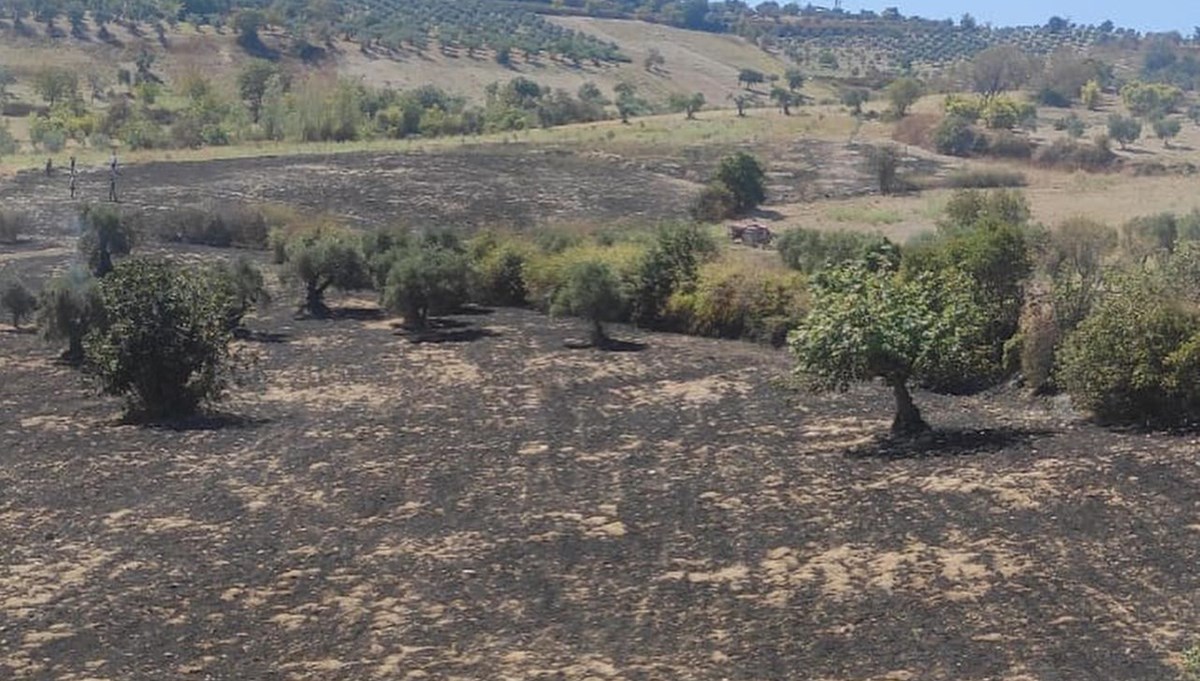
(1150, 15)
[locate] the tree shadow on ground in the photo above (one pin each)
(22, 331)
(945, 443)
(261, 336)
(606, 345)
(360, 314)
(437, 331)
(206, 421)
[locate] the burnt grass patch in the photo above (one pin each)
(509, 508)
(459, 188)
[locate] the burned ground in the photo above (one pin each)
(459, 188)
(505, 508)
(495, 506)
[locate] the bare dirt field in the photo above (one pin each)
(498, 507)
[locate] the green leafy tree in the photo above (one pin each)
(325, 259)
(253, 81)
(1166, 129)
(590, 291)
(745, 178)
(18, 301)
(56, 84)
(855, 97)
(1124, 129)
(68, 307)
(865, 324)
(687, 104)
(784, 99)
(106, 234)
(1151, 100)
(902, 94)
(749, 77)
(424, 281)
(794, 78)
(628, 103)
(164, 342)
(741, 101)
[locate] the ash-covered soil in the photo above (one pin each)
(499, 507)
(459, 188)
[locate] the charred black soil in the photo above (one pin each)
(501, 507)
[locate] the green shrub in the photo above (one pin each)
(1005, 144)
(669, 265)
(985, 179)
(1124, 129)
(1134, 359)
(714, 204)
(546, 273)
(164, 342)
(222, 225)
(1074, 155)
(809, 250)
(497, 275)
(956, 136)
(1074, 257)
(992, 251)
(733, 299)
(969, 208)
(8, 143)
(17, 300)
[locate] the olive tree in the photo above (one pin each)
(106, 233)
(68, 307)
(243, 284)
(745, 178)
(687, 104)
(903, 93)
(426, 280)
(866, 324)
(1124, 129)
(590, 291)
(164, 342)
(325, 259)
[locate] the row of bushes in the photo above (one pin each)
(672, 278)
(270, 106)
